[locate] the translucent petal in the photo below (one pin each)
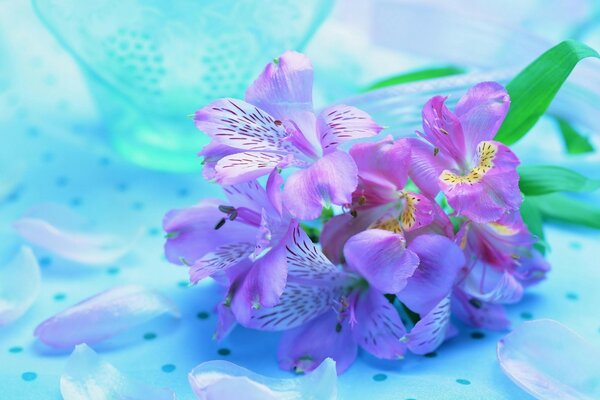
(59, 236)
(103, 316)
(222, 380)
(88, 377)
(550, 361)
(20, 282)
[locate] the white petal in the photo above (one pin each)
(20, 282)
(44, 229)
(87, 377)
(222, 380)
(103, 316)
(550, 361)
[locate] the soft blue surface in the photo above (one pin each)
(48, 125)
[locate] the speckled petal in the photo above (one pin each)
(88, 377)
(103, 316)
(340, 123)
(222, 380)
(550, 361)
(20, 282)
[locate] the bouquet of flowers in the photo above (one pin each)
(343, 237)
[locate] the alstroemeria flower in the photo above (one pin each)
(501, 260)
(243, 239)
(421, 275)
(381, 199)
(477, 174)
(275, 127)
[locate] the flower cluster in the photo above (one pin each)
(427, 229)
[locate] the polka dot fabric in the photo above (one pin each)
(49, 125)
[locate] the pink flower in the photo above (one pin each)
(276, 128)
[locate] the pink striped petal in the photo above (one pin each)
(84, 248)
(340, 123)
(104, 315)
(222, 380)
(220, 260)
(88, 377)
(550, 361)
(241, 125)
(20, 282)
(431, 331)
(242, 167)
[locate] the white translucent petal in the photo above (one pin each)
(88, 377)
(104, 315)
(56, 234)
(222, 380)
(550, 361)
(20, 282)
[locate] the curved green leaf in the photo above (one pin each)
(544, 179)
(560, 207)
(419, 75)
(575, 142)
(533, 89)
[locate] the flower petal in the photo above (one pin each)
(241, 125)
(481, 112)
(340, 123)
(479, 313)
(211, 154)
(426, 166)
(382, 258)
(264, 283)
(222, 380)
(20, 282)
(491, 286)
(442, 129)
(191, 232)
(331, 179)
(550, 361)
(431, 330)
(374, 160)
(85, 248)
(250, 195)
(87, 376)
(220, 260)
(274, 190)
(246, 166)
(418, 212)
(439, 262)
(225, 321)
(103, 316)
(304, 348)
(284, 87)
(306, 261)
(299, 303)
(489, 190)
(378, 327)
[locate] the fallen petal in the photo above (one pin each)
(85, 248)
(103, 316)
(222, 380)
(550, 361)
(20, 282)
(87, 377)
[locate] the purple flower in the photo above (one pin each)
(477, 175)
(381, 199)
(276, 128)
(501, 260)
(235, 243)
(328, 312)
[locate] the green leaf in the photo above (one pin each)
(544, 179)
(532, 217)
(533, 89)
(575, 142)
(418, 75)
(560, 207)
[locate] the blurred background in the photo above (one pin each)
(95, 98)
